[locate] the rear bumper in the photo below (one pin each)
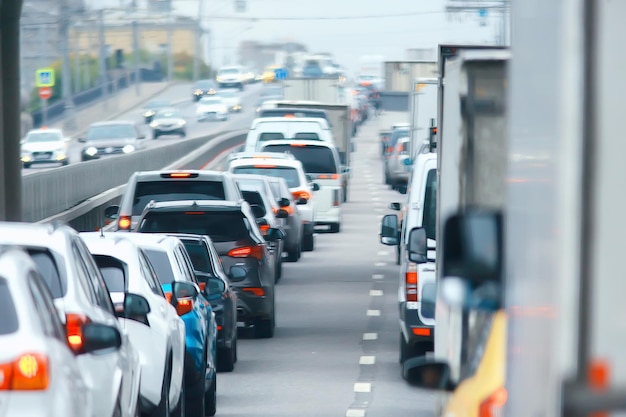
(410, 324)
(330, 216)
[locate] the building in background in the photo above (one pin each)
(258, 55)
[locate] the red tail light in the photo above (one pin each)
(123, 223)
(411, 282)
(288, 209)
(493, 405)
(255, 251)
(259, 292)
(301, 194)
(184, 306)
(74, 325)
(336, 198)
(29, 372)
(264, 228)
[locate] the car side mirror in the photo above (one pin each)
(315, 186)
(407, 162)
(428, 374)
(395, 206)
(183, 296)
(274, 234)
(301, 201)
(389, 230)
(100, 337)
(82, 140)
(111, 212)
(257, 210)
(237, 273)
(282, 214)
(418, 249)
(283, 202)
(136, 307)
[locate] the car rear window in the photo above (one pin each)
(315, 159)
(49, 270)
(199, 255)
(9, 323)
(174, 191)
(270, 136)
(112, 271)
(307, 136)
(289, 174)
(220, 226)
(161, 264)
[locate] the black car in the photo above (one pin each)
(204, 88)
(239, 243)
(218, 290)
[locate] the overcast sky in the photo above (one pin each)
(412, 24)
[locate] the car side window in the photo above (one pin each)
(217, 262)
(48, 316)
(103, 298)
(82, 275)
(186, 264)
(149, 275)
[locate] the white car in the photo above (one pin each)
(81, 298)
(296, 128)
(161, 339)
(231, 99)
(231, 77)
(44, 146)
(211, 108)
(39, 374)
(285, 166)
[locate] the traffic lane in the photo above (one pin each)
(328, 321)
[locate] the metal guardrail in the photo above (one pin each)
(64, 189)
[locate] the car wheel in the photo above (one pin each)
(308, 242)
(226, 359)
(263, 328)
(183, 133)
(294, 255)
(163, 409)
(235, 348)
(27, 165)
(335, 228)
(155, 135)
(345, 194)
(65, 163)
(210, 398)
(195, 406)
(279, 270)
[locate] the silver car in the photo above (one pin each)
(168, 122)
(44, 146)
(111, 138)
(231, 99)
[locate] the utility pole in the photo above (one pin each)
(104, 79)
(198, 43)
(170, 60)
(77, 76)
(66, 88)
(136, 50)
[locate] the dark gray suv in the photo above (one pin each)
(244, 251)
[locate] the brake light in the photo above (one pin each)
(493, 405)
(421, 331)
(259, 292)
(219, 328)
(124, 223)
(336, 198)
(411, 280)
(29, 372)
(297, 145)
(288, 209)
(184, 306)
(255, 251)
(301, 194)
(264, 228)
(180, 175)
(195, 212)
(265, 166)
(74, 325)
(168, 297)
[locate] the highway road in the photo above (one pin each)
(179, 94)
(335, 349)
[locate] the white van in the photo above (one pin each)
(321, 162)
(278, 128)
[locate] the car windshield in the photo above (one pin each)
(430, 204)
(227, 94)
(199, 254)
(289, 174)
(161, 264)
(253, 196)
(175, 190)
(396, 135)
(167, 114)
(220, 226)
(315, 159)
(43, 137)
(48, 268)
(124, 131)
(9, 323)
(113, 272)
(156, 104)
(229, 71)
(205, 85)
(211, 100)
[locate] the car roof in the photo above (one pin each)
(43, 235)
(113, 244)
(44, 130)
(152, 240)
(193, 204)
(197, 175)
(279, 162)
(298, 143)
(254, 177)
(113, 123)
(266, 120)
(190, 236)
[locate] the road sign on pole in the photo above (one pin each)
(44, 77)
(280, 73)
(45, 93)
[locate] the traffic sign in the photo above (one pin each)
(280, 73)
(44, 77)
(45, 93)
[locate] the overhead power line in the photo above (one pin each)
(379, 16)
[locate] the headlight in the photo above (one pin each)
(128, 149)
(198, 92)
(219, 79)
(26, 158)
(153, 124)
(149, 113)
(91, 151)
(181, 123)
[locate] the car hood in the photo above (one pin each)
(43, 146)
(211, 107)
(102, 143)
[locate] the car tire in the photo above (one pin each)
(197, 404)
(235, 347)
(405, 350)
(210, 398)
(155, 135)
(26, 165)
(279, 270)
(65, 163)
(163, 409)
(335, 228)
(263, 328)
(294, 255)
(226, 359)
(345, 194)
(308, 242)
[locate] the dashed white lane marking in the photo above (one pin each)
(375, 198)
(378, 276)
(380, 264)
(379, 209)
(376, 293)
(355, 412)
(373, 313)
(370, 336)
(383, 253)
(362, 387)
(367, 360)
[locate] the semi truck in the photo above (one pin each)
(323, 90)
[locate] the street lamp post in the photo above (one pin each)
(66, 90)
